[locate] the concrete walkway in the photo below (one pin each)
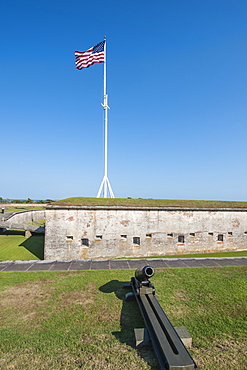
(120, 264)
(5, 216)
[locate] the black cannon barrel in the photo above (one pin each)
(144, 273)
(170, 350)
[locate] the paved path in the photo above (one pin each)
(6, 215)
(120, 264)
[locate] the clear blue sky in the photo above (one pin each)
(177, 86)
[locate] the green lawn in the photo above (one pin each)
(21, 208)
(14, 246)
(79, 320)
(129, 202)
(39, 223)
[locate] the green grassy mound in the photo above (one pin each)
(80, 201)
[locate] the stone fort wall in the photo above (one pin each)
(26, 216)
(113, 232)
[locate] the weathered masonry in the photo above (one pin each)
(85, 232)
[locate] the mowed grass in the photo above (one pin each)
(39, 223)
(79, 320)
(132, 202)
(20, 208)
(14, 246)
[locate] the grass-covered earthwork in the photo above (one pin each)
(39, 223)
(79, 320)
(129, 202)
(20, 208)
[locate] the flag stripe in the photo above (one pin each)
(93, 55)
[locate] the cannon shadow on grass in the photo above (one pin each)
(129, 320)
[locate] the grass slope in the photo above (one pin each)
(80, 201)
(71, 320)
(20, 208)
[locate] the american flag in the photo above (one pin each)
(96, 54)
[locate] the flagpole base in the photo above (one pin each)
(106, 187)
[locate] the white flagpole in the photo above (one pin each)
(105, 184)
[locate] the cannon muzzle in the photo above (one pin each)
(144, 273)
